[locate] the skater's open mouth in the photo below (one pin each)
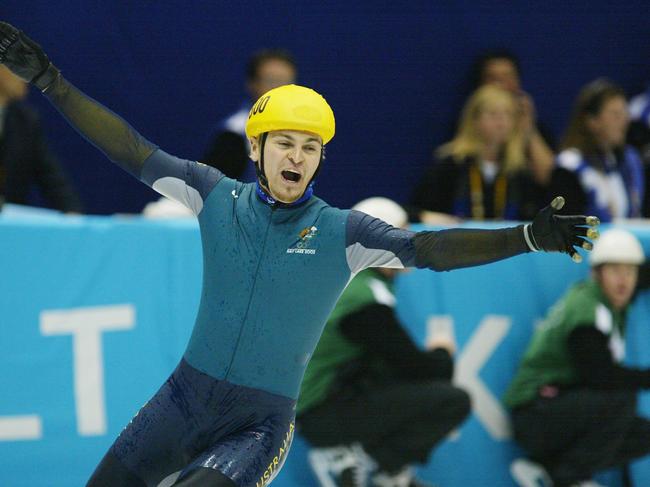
(291, 176)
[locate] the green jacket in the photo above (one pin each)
(547, 359)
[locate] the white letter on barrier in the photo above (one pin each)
(86, 326)
(14, 428)
(489, 333)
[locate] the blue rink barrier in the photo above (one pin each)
(95, 312)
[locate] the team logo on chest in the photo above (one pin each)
(305, 239)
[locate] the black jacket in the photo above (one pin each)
(445, 188)
(375, 327)
(25, 162)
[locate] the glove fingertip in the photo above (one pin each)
(558, 203)
(576, 257)
(593, 221)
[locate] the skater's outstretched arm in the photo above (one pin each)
(373, 243)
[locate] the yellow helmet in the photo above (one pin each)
(291, 107)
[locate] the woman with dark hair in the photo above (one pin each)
(596, 169)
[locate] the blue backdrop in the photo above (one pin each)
(96, 312)
(395, 73)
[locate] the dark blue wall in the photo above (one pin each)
(394, 72)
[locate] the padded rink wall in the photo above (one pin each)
(95, 313)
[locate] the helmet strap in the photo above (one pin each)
(259, 167)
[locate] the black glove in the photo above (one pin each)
(25, 58)
(555, 233)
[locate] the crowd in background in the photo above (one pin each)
(500, 163)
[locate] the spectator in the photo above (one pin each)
(369, 384)
(573, 403)
(480, 174)
(502, 68)
(25, 160)
(228, 148)
(597, 171)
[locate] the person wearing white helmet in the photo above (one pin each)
(573, 403)
(372, 403)
(275, 258)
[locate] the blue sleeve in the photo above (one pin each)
(106, 130)
(188, 182)
(371, 242)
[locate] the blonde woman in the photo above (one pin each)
(481, 173)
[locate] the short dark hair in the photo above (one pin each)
(480, 63)
(264, 55)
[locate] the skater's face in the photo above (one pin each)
(617, 282)
(291, 158)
